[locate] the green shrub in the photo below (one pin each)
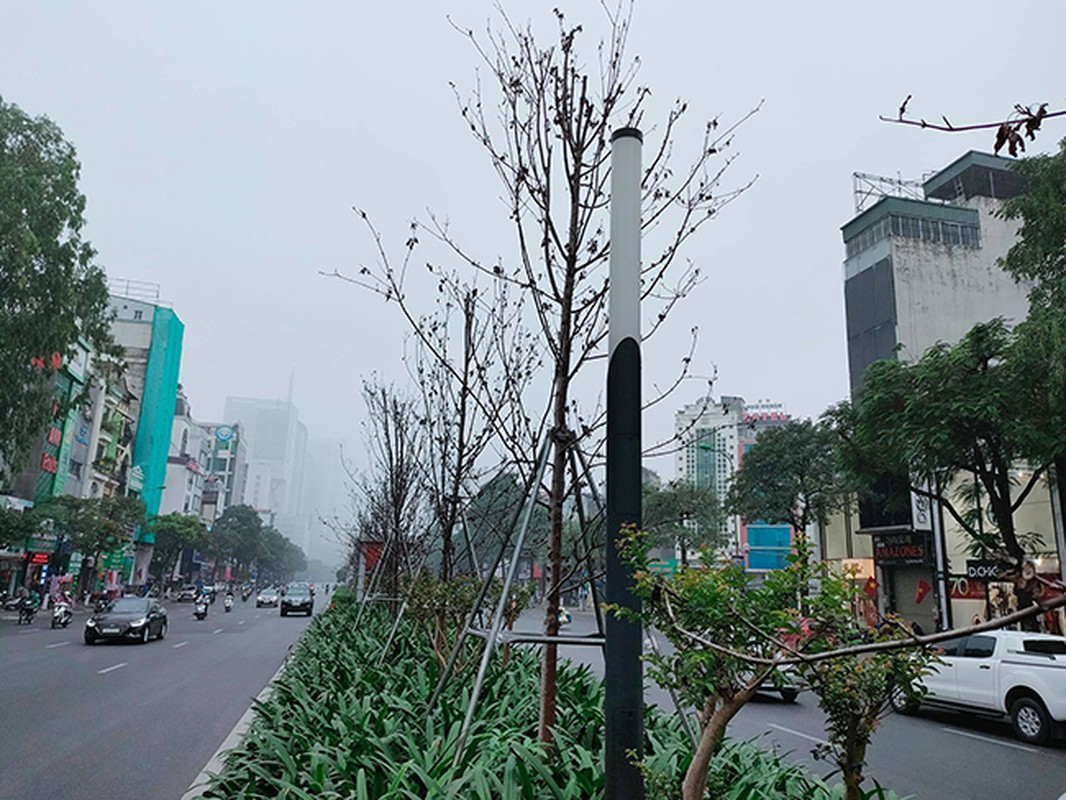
(338, 725)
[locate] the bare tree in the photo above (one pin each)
(546, 131)
(389, 497)
(548, 139)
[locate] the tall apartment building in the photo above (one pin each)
(277, 455)
(918, 270)
(229, 465)
(714, 437)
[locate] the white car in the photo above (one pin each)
(267, 597)
(1001, 673)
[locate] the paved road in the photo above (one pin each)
(128, 721)
(932, 756)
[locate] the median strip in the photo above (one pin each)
(990, 740)
(110, 669)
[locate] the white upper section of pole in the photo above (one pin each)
(624, 301)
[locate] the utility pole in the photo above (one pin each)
(623, 678)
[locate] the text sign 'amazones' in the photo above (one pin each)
(897, 549)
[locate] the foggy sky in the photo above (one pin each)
(224, 144)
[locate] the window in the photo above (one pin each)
(978, 646)
(951, 647)
(1048, 646)
(75, 468)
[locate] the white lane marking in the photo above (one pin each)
(797, 733)
(57, 644)
(110, 669)
(241, 622)
(257, 616)
(180, 644)
(990, 740)
(218, 630)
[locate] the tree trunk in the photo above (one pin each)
(550, 662)
(854, 757)
(714, 720)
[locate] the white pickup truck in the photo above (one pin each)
(1001, 673)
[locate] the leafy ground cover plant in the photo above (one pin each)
(339, 724)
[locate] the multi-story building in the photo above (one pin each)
(919, 270)
(188, 462)
(714, 437)
(277, 440)
(151, 337)
(229, 466)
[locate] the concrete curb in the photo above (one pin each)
(215, 763)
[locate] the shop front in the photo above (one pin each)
(905, 564)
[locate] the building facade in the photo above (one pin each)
(151, 337)
(918, 271)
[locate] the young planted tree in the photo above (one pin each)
(390, 497)
(547, 136)
(51, 293)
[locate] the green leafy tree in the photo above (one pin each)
(1039, 255)
(791, 476)
(683, 514)
(957, 422)
(279, 559)
(50, 292)
(237, 534)
(96, 527)
(173, 533)
(730, 636)
(15, 527)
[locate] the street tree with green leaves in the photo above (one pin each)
(683, 514)
(173, 533)
(959, 423)
(237, 534)
(51, 292)
(1039, 255)
(791, 476)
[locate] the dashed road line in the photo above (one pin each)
(808, 737)
(218, 630)
(180, 644)
(241, 622)
(990, 740)
(110, 669)
(57, 644)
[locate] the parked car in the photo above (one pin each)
(188, 593)
(1013, 674)
(297, 598)
(129, 619)
(267, 597)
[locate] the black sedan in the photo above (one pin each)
(127, 619)
(297, 599)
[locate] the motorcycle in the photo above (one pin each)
(228, 603)
(62, 614)
(200, 609)
(27, 611)
(12, 603)
(245, 594)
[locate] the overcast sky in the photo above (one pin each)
(224, 144)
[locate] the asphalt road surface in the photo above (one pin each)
(129, 721)
(931, 756)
